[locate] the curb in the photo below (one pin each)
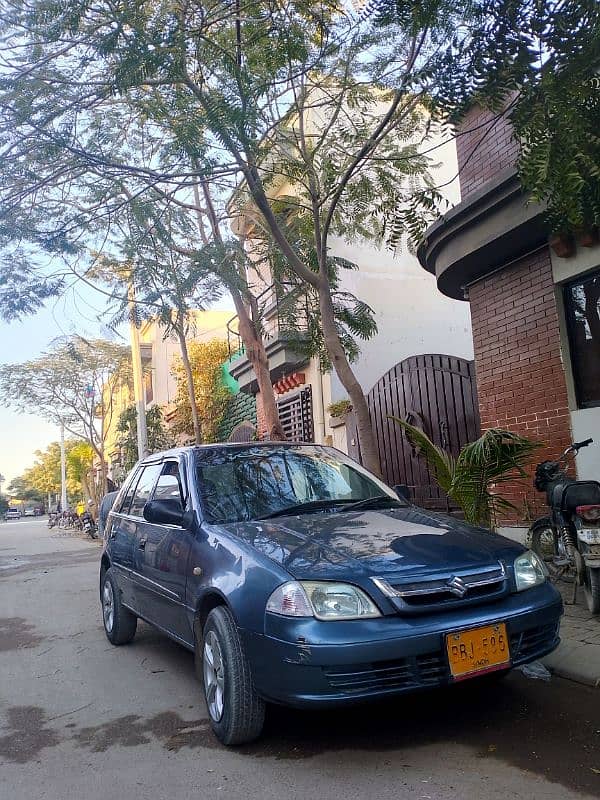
(576, 662)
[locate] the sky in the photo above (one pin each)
(22, 434)
(79, 311)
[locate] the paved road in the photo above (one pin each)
(81, 719)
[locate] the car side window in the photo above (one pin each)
(169, 486)
(123, 502)
(144, 487)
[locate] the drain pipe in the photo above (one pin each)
(320, 406)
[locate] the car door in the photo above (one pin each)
(162, 559)
(120, 534)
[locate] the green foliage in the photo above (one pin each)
(158, 436)
(472, 479)
(540, 58)
(43, 477)
(212, 396)
(339, 408)
(56, 385)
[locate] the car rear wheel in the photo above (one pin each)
(235, 710)
(119, 623)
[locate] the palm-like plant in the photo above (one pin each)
(471, 479)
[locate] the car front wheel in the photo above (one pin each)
(235, 710)
(119, 623)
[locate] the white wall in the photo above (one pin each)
(413, 317)
(585, 422)
(208, 325)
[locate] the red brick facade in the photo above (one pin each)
(520, 376)
(485, 146)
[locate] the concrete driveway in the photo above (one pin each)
(82, 719)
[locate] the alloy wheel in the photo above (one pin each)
(214, 676)
(108, 606)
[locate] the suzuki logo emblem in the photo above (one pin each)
(457, 586)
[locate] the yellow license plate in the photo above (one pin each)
(478, 650)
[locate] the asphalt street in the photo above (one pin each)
(82, 719)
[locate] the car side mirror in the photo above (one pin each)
(167, 512)
(403, 491)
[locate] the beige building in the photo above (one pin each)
(158, 356)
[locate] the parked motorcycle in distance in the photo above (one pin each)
(89, 525)
(569, 540)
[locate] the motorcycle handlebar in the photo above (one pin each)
(579, 445)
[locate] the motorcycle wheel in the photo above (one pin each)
(591, 589)
(548, 546)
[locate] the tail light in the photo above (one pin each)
(589, 513)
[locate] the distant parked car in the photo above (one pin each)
(298, 577)
(29, 512)
(13, 513)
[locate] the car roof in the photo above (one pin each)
(177, 451)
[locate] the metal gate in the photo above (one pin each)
(296, 417)
(434, 392)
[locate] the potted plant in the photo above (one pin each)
(338, 411)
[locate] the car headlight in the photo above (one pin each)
(530, 571)
(324, 600)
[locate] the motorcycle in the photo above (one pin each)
(569, 540)
(88, 525)
(52, 519)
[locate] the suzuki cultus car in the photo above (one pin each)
(299, 578)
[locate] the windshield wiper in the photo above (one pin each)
(348, 505)
(376, 501)
(299, 508)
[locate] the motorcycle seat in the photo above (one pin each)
(567, 495)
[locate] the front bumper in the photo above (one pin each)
(305, 662)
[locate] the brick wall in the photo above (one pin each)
(485, 146)
(520, 377)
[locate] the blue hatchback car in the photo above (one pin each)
(297, 577)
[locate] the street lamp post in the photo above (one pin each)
(63, 470)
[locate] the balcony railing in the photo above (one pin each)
(282, 311)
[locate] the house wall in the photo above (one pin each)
(520, 378)
(585, 422)
(207, 325)
(413, 317)
(485, 147)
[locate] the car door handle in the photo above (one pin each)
(142, 544)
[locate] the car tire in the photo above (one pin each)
(119, 622)
(235, 710)
(591, 590)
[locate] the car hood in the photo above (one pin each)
(373, 543)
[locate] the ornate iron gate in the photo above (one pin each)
(438, 394)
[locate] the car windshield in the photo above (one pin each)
(253, 483)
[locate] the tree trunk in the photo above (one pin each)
(257, 356)
(339, 360)
(185, 358)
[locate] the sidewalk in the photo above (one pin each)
(578, 655)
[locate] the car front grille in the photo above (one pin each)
(529, 643)
(406, 673)
(450, 590)
(429, 670)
